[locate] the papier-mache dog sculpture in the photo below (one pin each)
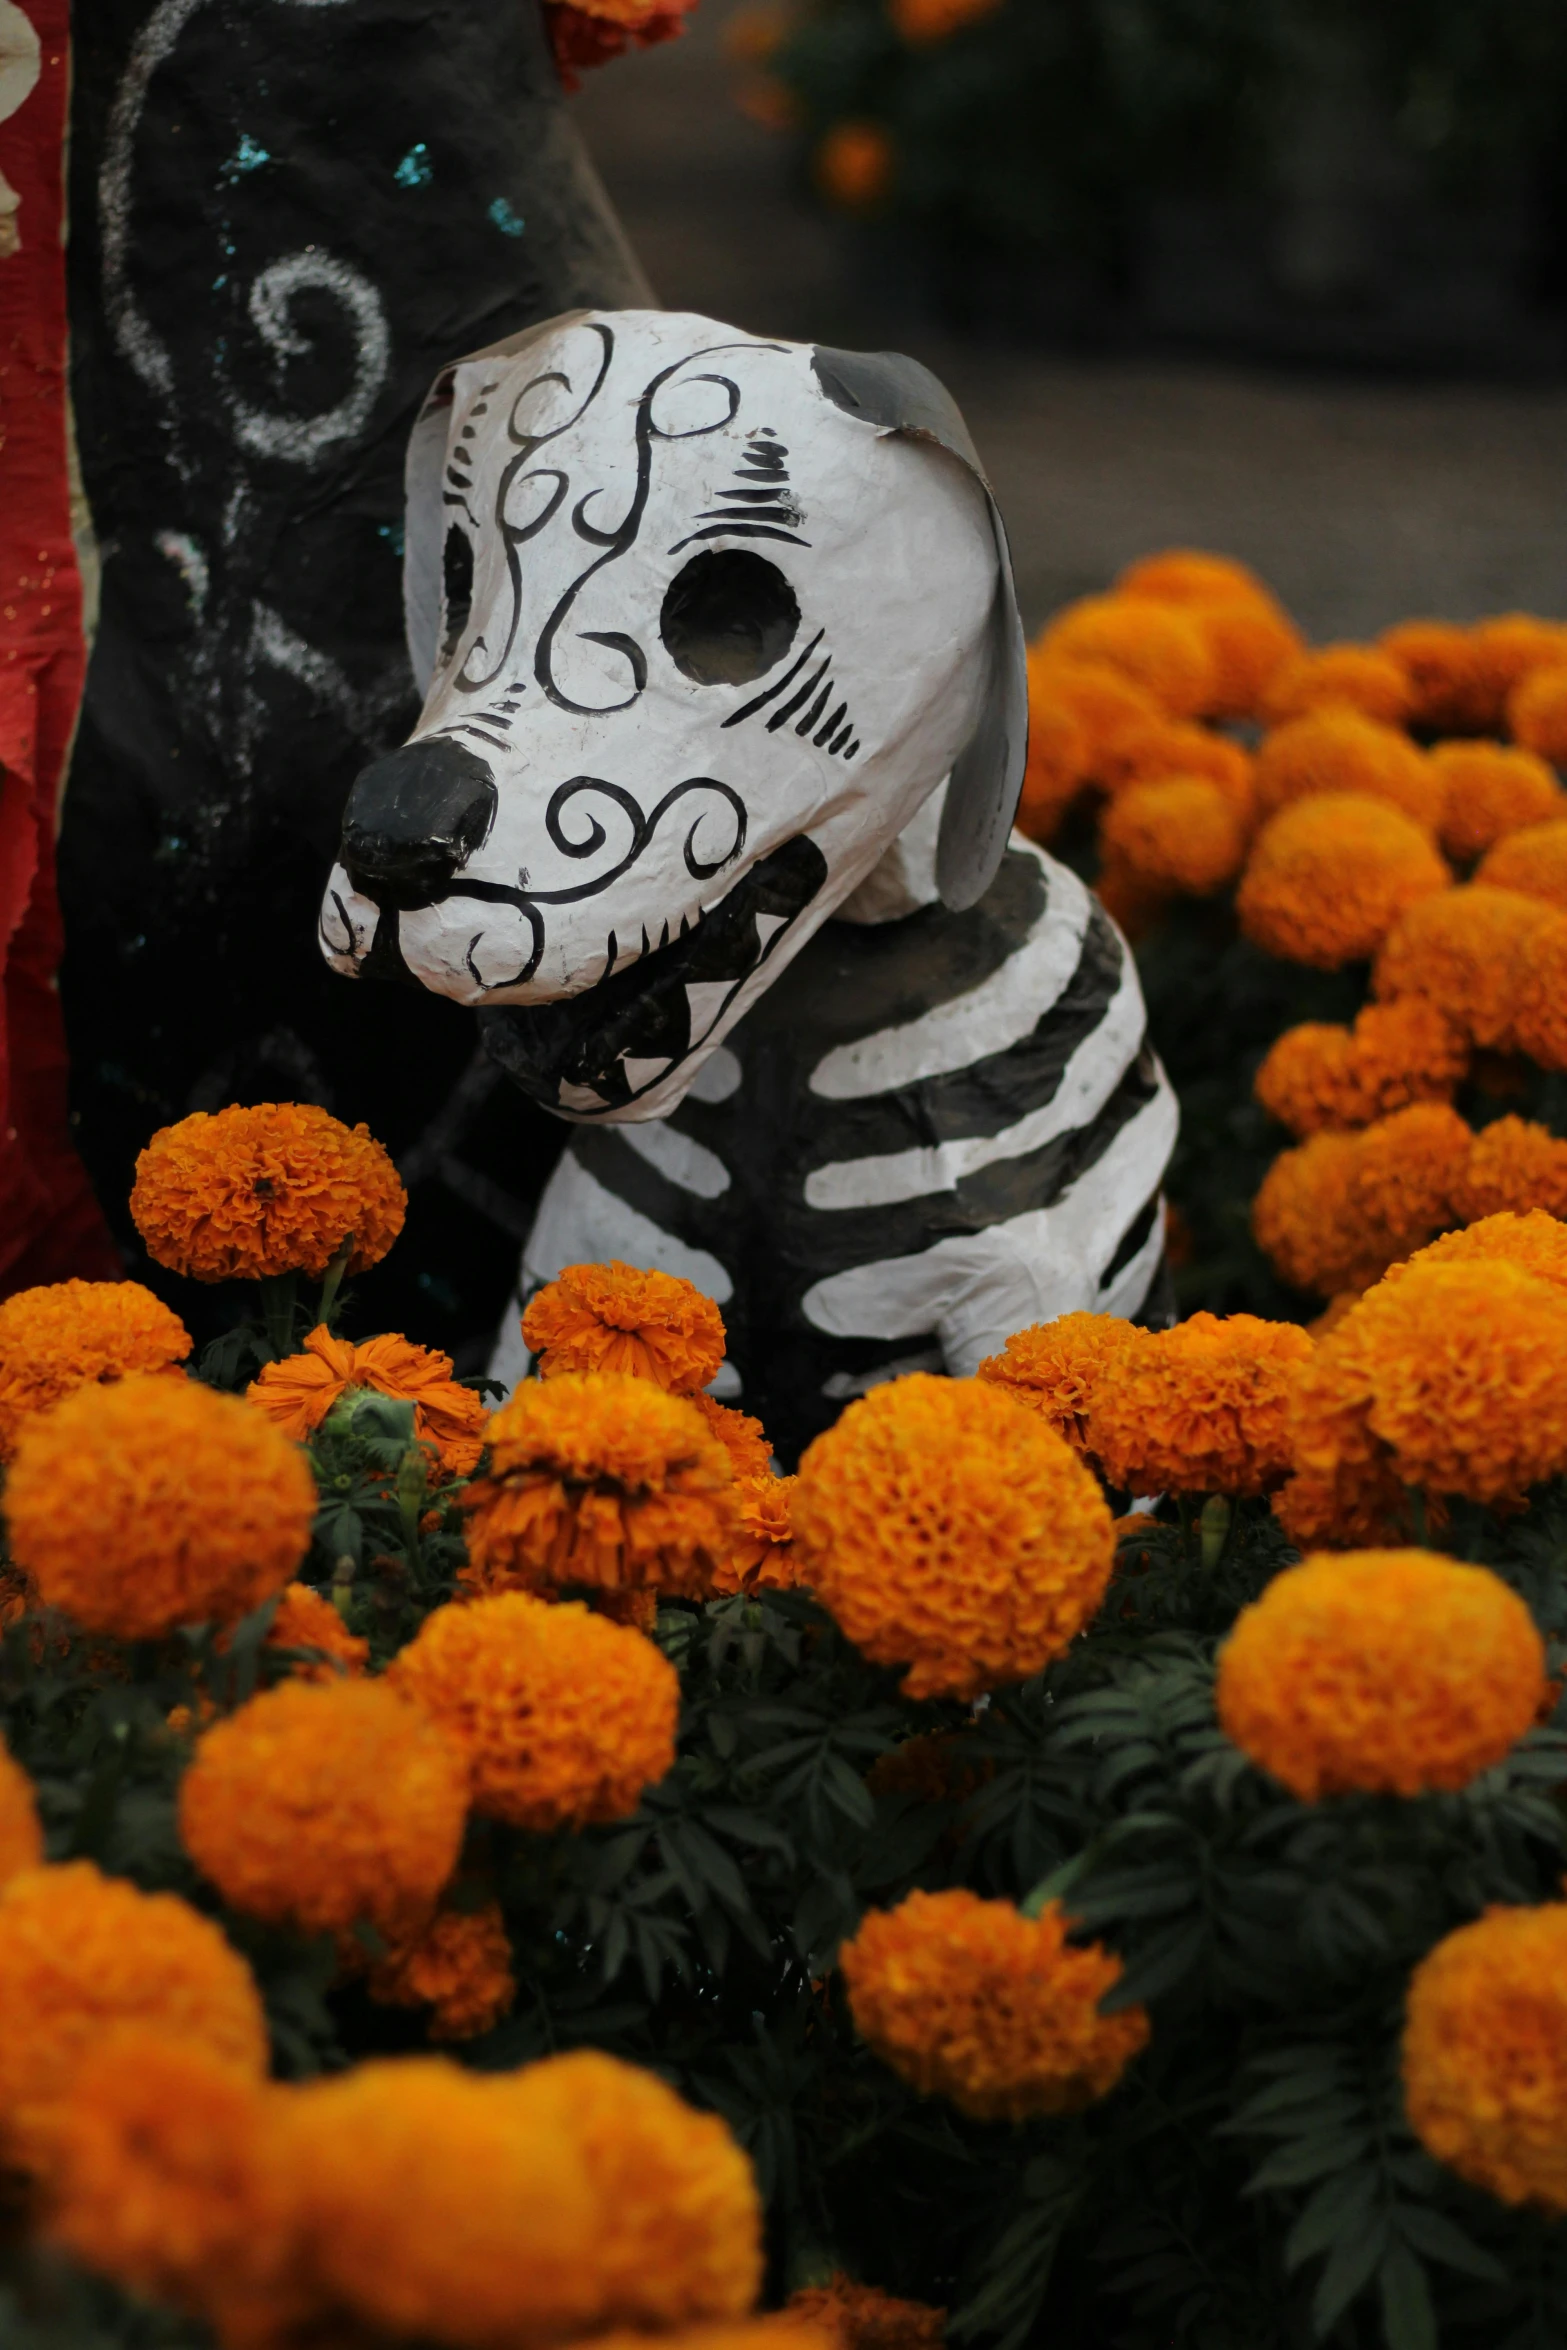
(708, 812)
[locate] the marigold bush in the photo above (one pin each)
(1056, 1369)
(1329, 876)
(1489, 792)
(1485, 2054)
(1351, 677)
(298, 1393)
(614, 1318)
(326, 1807)
(972, 2001)
(154, 1503)
(75, 1334)
(561, 1717)
(1172, 747)
(948, 1530)
(1338, 750)
(82, 1954)
(1181, 834)
(282, 1188)
(1319, 1078)
(1382, 1672)
(1200, 1408)
(602, 1481)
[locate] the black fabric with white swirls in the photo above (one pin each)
(284, 219)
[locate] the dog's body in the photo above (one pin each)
(708, 813)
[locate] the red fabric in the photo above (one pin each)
(581, 37)
(50, 1224)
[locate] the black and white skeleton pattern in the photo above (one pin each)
(707, 813)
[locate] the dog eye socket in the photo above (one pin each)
(456, 587)
(728, 617)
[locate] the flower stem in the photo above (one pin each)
(277, 1312)
(333, 1282)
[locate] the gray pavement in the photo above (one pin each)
(1361, 501)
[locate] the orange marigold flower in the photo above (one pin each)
(1319, 1078)
(1485, 2054)
(947, 1528)
(561, 1717)
(1539, 1024)
(1159, 649)
(1532, 860)
(1469, 953)
(1534, 1240)
(678, 2235)
(1056, 1369)
(437, 2208)
(1332, 1214)
(154, 1503)
(614, 1318)
(743, 1438)
(81, 1954)
(920, 22)
(1513, 644)
(1058, 764)
(853, 166)
(1341, 751)
(21, 1837)
(1166, 747)
(281, 1188)
(1329, 876)
(1447, 1377)
(969, 2000)
(1248, 633)
(1490, 790)
(1449, 677)
(298, 1392)
(589, 33)
(460, 1968)
(762, 1556)
(1200, 1408)
(859, 2317)
(1180, 834)
(326, 1806)
(1103, 703)
(1191, 575)
(306, 1619)
(1380, 1672)
(74, 1334)
(1354, 677)
(165, 2175)
(1133, 906)
(1513, 1166)
(1537, 713)
(601, 1481)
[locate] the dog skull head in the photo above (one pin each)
(704, 619)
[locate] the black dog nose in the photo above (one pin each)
(413, 817)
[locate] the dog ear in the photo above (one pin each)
(424, 513)
(899, 395)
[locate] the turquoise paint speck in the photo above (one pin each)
(510, 224)
(416, 169)
(392, 532)
(247, 156)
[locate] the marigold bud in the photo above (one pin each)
(614, 1317)
(1355, 677)
(154, 1503)
(1056, 1369)
(1537, 713)
(1200, 1408)
(1512, 1166)
(460, 1968)
(1337, 750)
(948, 1529)
(1389, 1672)
(1485, 2054)
(1531, 861)
(1318, 1078)
(1158, 649)
(1179, 834)
(1329, 876)
(969, 2000)
(1450, 680)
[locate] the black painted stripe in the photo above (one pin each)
(762, 699)
(740, 530)
(1131, 1239)
(804, 725)
(831, 725)
(700, 1223)
(786, 710)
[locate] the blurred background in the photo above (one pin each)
(1284, 278)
